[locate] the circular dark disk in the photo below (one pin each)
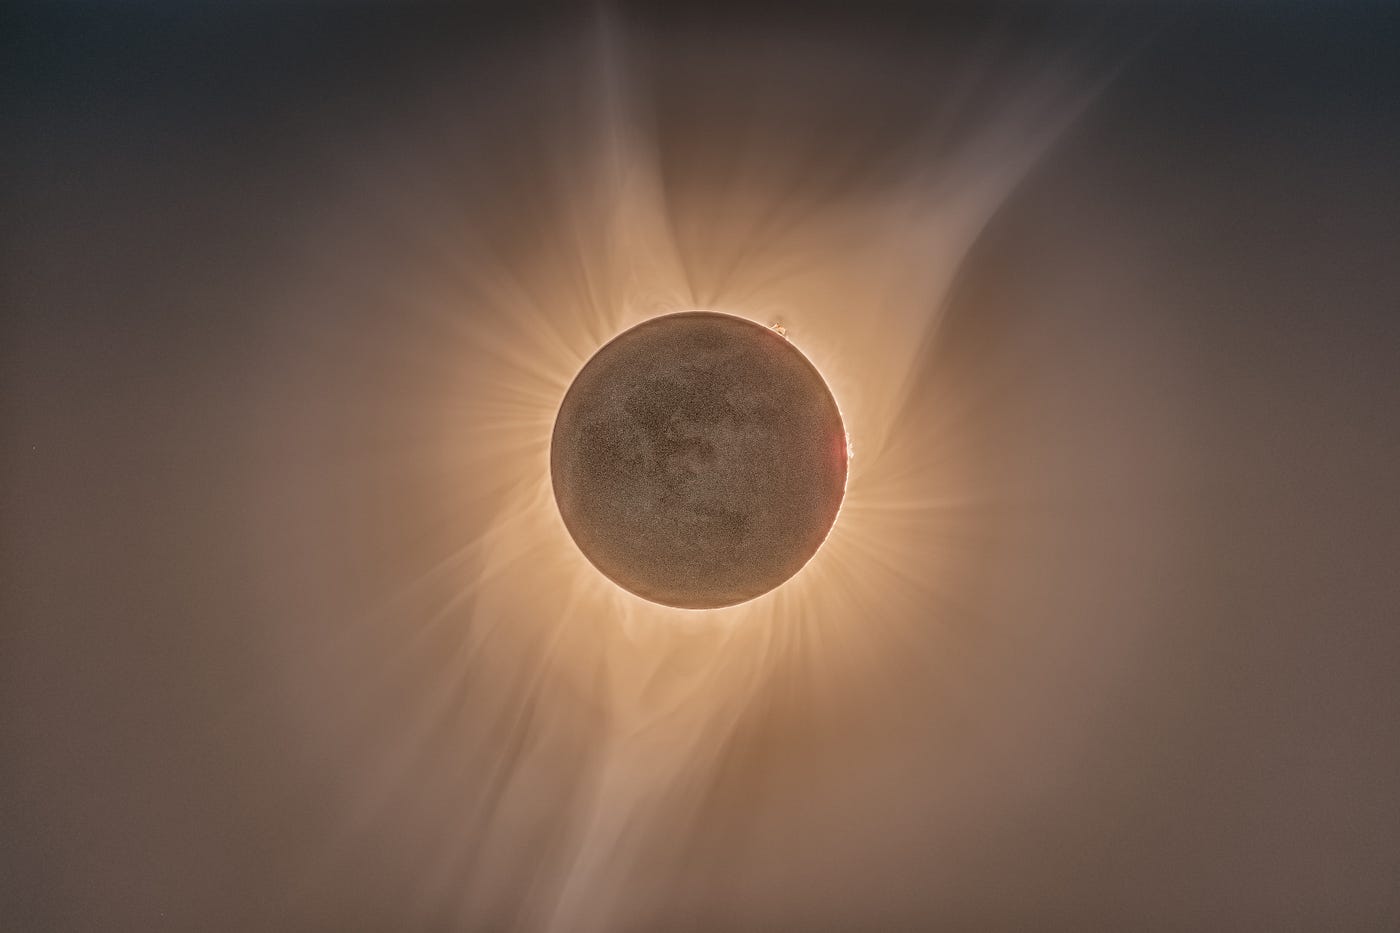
(698, 460)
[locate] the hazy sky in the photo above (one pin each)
(1107, 639)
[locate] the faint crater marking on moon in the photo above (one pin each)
(698, 460)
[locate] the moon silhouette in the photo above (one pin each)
(698, 460)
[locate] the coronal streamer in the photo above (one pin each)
(851, 240)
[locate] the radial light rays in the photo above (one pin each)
(854, 255)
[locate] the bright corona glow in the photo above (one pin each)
(854, 270)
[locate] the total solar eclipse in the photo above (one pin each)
(698, 460)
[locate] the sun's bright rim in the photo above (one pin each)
(781, 331)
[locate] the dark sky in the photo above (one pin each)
(1161, 691)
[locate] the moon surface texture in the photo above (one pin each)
(698, 460)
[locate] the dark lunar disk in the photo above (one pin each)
(698, 460)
